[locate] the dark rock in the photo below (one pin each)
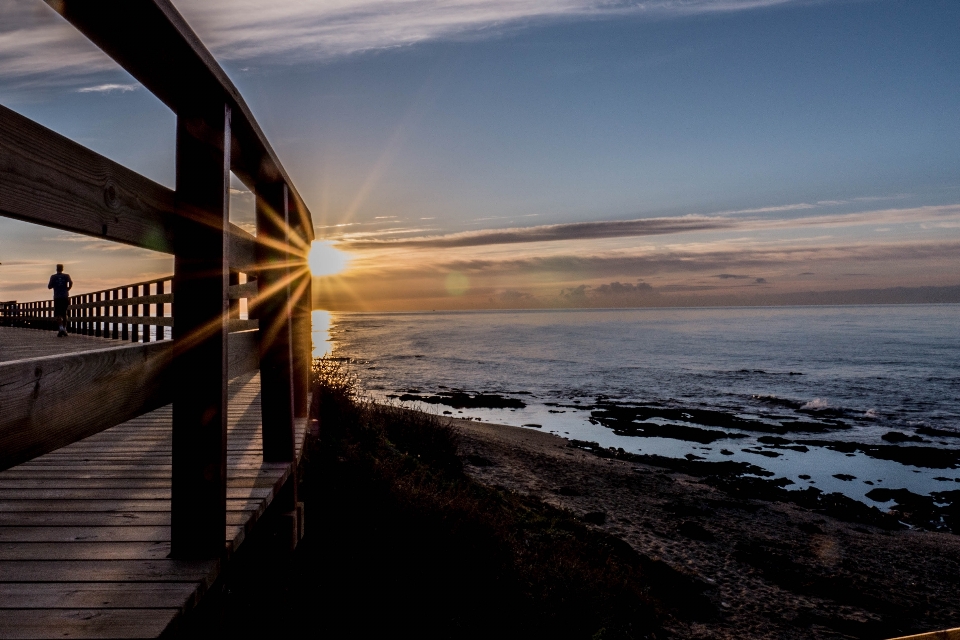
(937, 433)
(846, 477)
(463, 400)
(479, 461)
(695, 531)
(809, 527)
(927, 457)
(896, 436)
(595, 517)
(761, 452)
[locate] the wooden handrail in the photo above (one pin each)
(49, 180)
(102, 308)
(184, 75)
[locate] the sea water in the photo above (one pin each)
(872, 369)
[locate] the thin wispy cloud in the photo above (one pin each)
(247, 29)
(35, 42)
(110, 88)
(653, 227)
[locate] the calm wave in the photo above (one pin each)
(744, 384)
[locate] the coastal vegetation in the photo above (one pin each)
(400, 540)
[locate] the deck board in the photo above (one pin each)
(85, 529)
(17, 343)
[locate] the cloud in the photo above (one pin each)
(35, 42)
(621, 289)
(512, 296)
(649, 263)
(553, 232)
(730, 276)
(248, 29)
(644, 227)
(38, 46)
(109, 88)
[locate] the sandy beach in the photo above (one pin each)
(769, 569)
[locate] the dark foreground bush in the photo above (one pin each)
(401, 543)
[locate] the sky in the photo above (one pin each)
(468, 154)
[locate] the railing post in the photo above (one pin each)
(234, 304)
(134, 314)
(302, 332)
(115, 313)
(160, 305)
(198, 505)
(124, 331)
(273, 311)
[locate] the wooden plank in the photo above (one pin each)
(274, 311)
(96, 595)
(166, 570)
(101, 550)
(52, 547)
(201, 278)
(113, 505)
(53, 401)
(48, 179)
(245, 290)
(102, 518)
(84, 534)
(129, 493)
(28, 624)
(18, 343)
(302, 339)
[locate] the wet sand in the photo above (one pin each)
(770, 569)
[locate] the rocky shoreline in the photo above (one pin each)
(769, 562)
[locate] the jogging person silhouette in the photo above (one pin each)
(61, 283)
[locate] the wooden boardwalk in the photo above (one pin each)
(24, 344)
(85, 529)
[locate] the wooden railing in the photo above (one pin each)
(139, 312)
(49, 180)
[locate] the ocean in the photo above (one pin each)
(846, 399)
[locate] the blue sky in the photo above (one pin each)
(759, 147)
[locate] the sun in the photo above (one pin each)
(325, 259)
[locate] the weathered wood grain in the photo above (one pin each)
(30, 624)
(50, 402)
(83, 595)
(165, 570)
(76, 517)
(48, 179)
(100, 550)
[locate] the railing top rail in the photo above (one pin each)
(184, 75)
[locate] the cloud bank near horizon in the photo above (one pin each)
(592, 230)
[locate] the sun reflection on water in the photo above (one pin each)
(320, 331)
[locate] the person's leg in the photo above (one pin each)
(60, 311)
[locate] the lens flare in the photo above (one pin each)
(457, 284)
(325, 259)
